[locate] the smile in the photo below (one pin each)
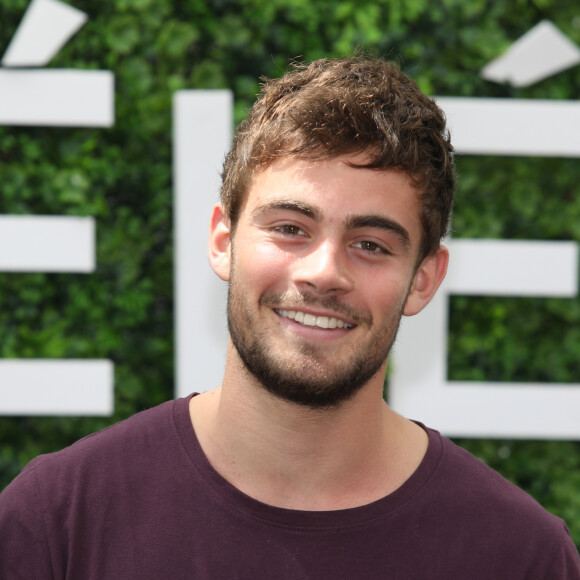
(312, 320)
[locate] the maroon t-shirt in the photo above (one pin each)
(139, 500)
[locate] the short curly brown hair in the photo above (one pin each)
(337, 107)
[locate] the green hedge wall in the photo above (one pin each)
(122, 176)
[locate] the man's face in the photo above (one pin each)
(320, 268)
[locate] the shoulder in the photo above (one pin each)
(482, 489)
(127, 446)
(93, 492)
(482, 506)
(472, 481)
(485, 525)
(146, 427)
(101, 467)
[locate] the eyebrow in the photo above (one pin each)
(353, 222)
(375, 221)
(289, 205)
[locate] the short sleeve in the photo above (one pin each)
(24, 551)
(566, 563)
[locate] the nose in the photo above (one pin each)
(325, 269)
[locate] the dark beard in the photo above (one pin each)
(285, 381)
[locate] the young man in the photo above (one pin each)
(335, 198)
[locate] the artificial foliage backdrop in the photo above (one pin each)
(122, 176)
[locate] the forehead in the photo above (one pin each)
(337, 190)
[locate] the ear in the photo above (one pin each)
(219, 246)
(428, 278)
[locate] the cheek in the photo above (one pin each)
(387, 294)
(264, 264)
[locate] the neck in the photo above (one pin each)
(290, 456)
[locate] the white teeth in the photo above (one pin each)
(322, 321)
(311, 320)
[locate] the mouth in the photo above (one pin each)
(307, 319)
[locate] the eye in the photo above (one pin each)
(370, 247)
(290, 230)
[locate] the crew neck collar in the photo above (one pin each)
(237, 500)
